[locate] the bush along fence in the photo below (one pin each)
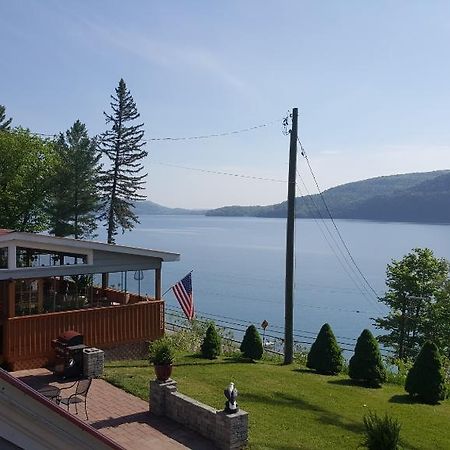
(233, 330)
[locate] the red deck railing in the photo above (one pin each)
(29, 337)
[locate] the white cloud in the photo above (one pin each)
(175, 56)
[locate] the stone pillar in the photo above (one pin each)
(231, 430)
(158, 393)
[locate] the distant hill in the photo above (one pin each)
(413, 197)
(148, 207)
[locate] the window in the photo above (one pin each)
(4, 258)
(32, 257)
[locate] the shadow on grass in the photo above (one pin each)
(303, 370)
(404, 399)
(353, 383)
(345, 382)
(120, 365)
(321, 414)
(197, 360)
(188, 360)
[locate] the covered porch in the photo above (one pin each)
(49, 285)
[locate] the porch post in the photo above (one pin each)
(158, 284)
(40, 297)
(11, 306)
(12, 256)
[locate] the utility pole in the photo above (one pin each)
(290, 228)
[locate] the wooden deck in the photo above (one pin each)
(27, 339)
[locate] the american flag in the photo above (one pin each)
(183, 293)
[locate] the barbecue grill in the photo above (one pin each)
(69, 354)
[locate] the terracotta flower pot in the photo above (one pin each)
(163, 372)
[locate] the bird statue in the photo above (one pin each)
(231, 394)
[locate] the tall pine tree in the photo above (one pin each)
(123, 179)
(75, 200)
(4, 123)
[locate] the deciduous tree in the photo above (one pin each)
(413, 283)
(27, 164)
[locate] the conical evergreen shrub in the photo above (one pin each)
(325, 355)
(366, 364)
(251, 345)
(425, 379)
(211, 345)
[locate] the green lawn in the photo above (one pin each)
(292, 408)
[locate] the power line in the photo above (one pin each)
(217, 172)
(213, 135)
(42, 134)
(362, 288)
(334, 223)
(189, 138)
(248, 322)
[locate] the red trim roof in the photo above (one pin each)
(19, 384)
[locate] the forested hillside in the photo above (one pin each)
(414, 197)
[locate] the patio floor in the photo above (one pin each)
(123, 417)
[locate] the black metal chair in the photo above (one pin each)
(79, 396)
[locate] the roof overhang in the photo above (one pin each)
(101, 257)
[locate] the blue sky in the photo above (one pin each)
(371, 81)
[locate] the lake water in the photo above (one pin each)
(239, 266)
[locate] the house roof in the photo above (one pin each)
(29, 420)
(101, 257)
(81, 245)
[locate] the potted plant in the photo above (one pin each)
(162, 355)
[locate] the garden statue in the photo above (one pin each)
(231, 394)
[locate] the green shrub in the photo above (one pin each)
(397, 370)
(211, 345)
(381, 433)
(425, 379)
(251, 346)
(187, 336)
(325, 355)
(366, 364)
(161, 351)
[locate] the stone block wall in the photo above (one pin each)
(227, 431)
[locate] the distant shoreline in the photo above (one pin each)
(303, 218)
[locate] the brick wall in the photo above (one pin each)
(227, 431)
